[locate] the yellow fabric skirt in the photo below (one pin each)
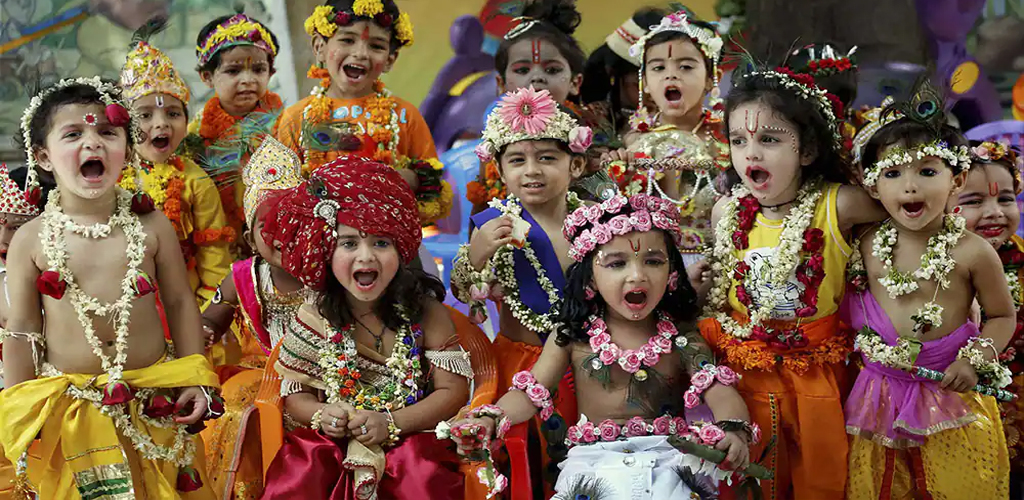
(969, 462)
(80, 453)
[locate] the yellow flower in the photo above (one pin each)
(367, 8)
(403, 29)
(321, 21)
(434, 162)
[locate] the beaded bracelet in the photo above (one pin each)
(705, 378)
(501, 421)
(992, 371)
(538, 394)
(394, 432)
(316, 421)
(737, 425)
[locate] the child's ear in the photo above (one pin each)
(318, 43)
(575, 84)
(207, 78)
(959, 181)
(872, 191)
(577, 166)
(249, 238)
(43, 159)
(501, 83)
(809, 154)
(392, 57)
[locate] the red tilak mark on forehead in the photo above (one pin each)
(535, 49)
(635, 249)
(670, 51)
(993, 189)
(747, 122)
(366, 33)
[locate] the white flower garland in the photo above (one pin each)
(55, 250)
(993, 371)
(898, 156)
(874, 348)
(783, 262)
(1015, 288)
(936, 264)
(503, 263)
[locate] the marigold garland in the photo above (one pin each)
(214, 122)
(755, 355)
(479, 193)
(165, 189)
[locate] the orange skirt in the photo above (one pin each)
(799, 403)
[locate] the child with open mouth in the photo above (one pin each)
(988, 204)
(352, 113)
(672, 132)
(916, 277)
(373, 359)
(779, 259)
(622, 334)
(517, 254)
(177, 186)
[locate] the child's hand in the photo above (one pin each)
(369, 427)
(699, 274)
(960, 376)
(334, 420)
(486, 240)
(615, 155)
(737, 450)
(195, 399)
(211, 332)
(472, 434)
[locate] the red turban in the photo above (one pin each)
(359, 193)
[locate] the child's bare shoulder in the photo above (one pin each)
(27, 239)
(973, 249)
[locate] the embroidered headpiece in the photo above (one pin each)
(116, 112)
(12, 198)
(622, 39)
(637, 213)
(825, 60)
(360, 193)
(147, 70)
(325, 21)
(527, 114)
(273, 167)
(874, 120)
(239, 29)
(709, 42)
(990, 152)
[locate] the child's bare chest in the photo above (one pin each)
(99, 266)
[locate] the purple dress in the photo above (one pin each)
(892, 407)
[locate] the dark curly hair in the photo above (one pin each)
(680, 304)
(214, 61)
(910, 134)
(77, 93)
(409, 290)
(557, 21)
(813, 127)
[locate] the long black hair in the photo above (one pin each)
(575, 310)
(410, 291)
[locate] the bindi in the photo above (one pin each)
(363, 235)
(635, 248)
(535, 50)
(365, 34)
(751, 125)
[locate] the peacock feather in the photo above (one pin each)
(586, 488)
(147, 30)
(597, 186)
(924, 106)
(700, 487)
(222, 160)
(331, 136)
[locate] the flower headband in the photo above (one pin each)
(827, 61)
(805, 87)
(647, 212)
(116, 112)
(239, 29)
(325, 21)
(528, 114)
(989, 152)
(899, 156)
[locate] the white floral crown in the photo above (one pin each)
(899, 156)
(805, 87)
(708, 40)
(117, 113)
(527, 114)
(647, 212)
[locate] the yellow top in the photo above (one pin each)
(190, 199)
(763, 242)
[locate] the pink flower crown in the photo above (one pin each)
(644, 213)
(528, 115)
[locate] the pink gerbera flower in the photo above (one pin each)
(527, 109)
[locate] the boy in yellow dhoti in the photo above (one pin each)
(96, 383)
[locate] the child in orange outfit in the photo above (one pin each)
(778, 265)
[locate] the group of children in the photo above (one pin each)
(734, 239)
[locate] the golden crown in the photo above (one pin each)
(272, 167)
(147, 70)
